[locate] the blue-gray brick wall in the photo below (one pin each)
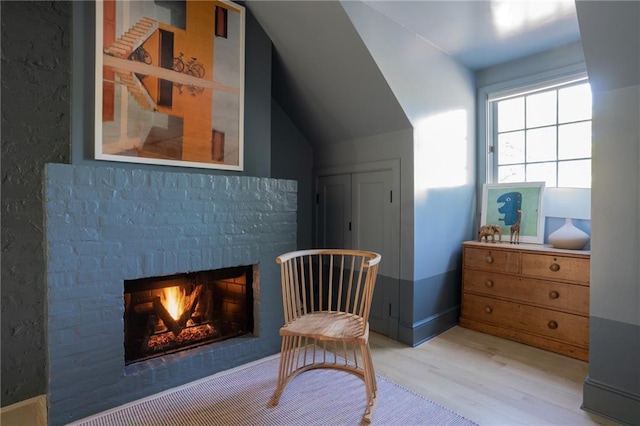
(106, 225)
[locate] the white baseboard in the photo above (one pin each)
(32, 411)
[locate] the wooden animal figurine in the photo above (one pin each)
(514, 238)
(487, 231)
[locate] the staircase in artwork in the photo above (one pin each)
(136, 90)
(123, 47)
(132, 39)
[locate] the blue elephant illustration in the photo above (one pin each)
(512, 203)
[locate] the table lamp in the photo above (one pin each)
(568, 203)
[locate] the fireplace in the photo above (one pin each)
(167, 314)
(111, 228)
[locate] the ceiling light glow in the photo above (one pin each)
(513, 16)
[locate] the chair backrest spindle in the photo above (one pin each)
(311, 283)
(332, 280)
(340, 283)
(301, 286)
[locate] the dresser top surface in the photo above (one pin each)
(540, 248)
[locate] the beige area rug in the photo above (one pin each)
(239, 397)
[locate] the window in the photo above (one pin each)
(221, 22)
(542, 135)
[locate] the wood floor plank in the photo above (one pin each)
(489, 380)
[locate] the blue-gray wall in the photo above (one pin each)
(611, 38)
(36, 127)
(612, 388)
(47, 50)
(292, 158)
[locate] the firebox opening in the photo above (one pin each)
(167, 314)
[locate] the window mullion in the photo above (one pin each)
(557, 137)
(493, 147)
(526, 139)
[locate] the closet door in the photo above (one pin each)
(375, 227)
(358, 211)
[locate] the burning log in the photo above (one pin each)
(166, 317)
(143, 306)
(190, 304)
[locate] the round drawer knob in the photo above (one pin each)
(554, 294)
(487, 309)
(554, 267)
(552, 325)
(489, 259)
(489, 283)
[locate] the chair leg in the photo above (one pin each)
(292, 355)
(285, 359)
(292, 362)
(370, 383)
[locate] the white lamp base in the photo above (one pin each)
(569, 237)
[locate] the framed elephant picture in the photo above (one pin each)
(516, 208)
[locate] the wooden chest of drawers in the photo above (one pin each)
(530, 293)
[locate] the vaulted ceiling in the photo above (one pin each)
(328, 83)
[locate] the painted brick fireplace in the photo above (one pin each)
(105, 226)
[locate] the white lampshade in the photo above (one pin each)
(568, 203)
(572, 203)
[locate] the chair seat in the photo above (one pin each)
(328, 326)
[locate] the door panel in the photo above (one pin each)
(373, 229)
(369, 203)
(334, 211)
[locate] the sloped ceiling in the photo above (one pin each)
(480, 34)
(323, 76)
(326, 80)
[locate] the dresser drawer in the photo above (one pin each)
(560, 326)
(549, 294)
(492, 260)
(556, 267)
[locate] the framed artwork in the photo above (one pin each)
(170, 83)
(505, 204)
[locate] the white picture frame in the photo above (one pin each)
(170, 83)
(501, 201)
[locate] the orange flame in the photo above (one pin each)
(172, 299)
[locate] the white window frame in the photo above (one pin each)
(487, 167)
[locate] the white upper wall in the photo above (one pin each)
(520, 71)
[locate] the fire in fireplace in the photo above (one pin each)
(167, 314)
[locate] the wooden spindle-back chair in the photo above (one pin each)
(326, 295)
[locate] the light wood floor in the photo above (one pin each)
(488, 380)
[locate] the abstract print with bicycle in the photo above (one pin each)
(191, 67)
(172, 83)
